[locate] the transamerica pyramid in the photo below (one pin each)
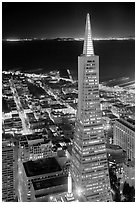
(89, 159)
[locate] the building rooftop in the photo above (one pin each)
(116, 154)
(119, 105)
(57, 106)
(131, 121)
(44, 142)
(107, 111)
(127, 124)
(34, 137)
(7, 137)
(111, 116)
(41, 166)
(47, 183)
(65, 127)
(114, 100)
(113, 147)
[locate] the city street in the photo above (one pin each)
(22, 115)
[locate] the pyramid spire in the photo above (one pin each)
(88, 48)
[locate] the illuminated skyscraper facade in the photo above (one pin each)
(89, 160)
(9, 170)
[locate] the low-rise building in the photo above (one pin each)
(42, 178)
(129, 173)
(33, 147)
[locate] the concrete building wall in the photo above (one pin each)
(124, 136)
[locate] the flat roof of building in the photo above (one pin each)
(34, 137)
(6, 136)
(47, 183)
(114, 155)
(65, 127)
(119, 105)
(57, 106)
(127, 124)
(45, 141)
(114, 101)
(41, 166)
(113, 147)
(107, 111)
(131, 121)
(111, 116)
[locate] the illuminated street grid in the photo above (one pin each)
(58, 107)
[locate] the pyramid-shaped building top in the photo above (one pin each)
(88, 48)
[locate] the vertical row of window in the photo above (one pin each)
(123, 138)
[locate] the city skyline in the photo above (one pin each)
(65, 19)
(67, 134)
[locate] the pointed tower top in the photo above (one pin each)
(88, 48)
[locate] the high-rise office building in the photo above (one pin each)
(89, 159)
(9, 169)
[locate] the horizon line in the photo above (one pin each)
(66, 38)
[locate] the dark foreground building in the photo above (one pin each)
(42, 178)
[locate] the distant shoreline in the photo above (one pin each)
(66, 39)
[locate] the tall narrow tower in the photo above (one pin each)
(89, 159)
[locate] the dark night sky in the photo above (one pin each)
(51, 20)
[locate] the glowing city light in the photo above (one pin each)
(51, 197)
(88, 44)
(79, 191)
(107, 127)
(69, 184)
